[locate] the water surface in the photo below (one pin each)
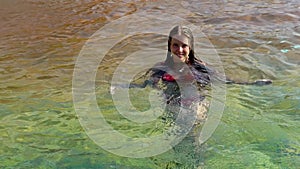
(40, 41)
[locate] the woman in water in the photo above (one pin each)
(183, 68)
(180, 76)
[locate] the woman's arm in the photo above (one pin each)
(200, 66)
(143, 85)
(259, 82)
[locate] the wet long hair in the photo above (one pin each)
(181, 30)
(193, 60)
(201, 74)
(200, 71)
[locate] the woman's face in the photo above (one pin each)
(180, 48)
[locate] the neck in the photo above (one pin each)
(178, 66)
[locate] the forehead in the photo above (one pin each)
(180, 39)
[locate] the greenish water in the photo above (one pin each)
(259, 131)
(40, 42)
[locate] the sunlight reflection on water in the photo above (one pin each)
(40, 41)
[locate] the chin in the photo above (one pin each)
(184, 60)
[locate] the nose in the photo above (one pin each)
(180, 48)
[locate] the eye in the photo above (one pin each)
(185, 46)
(175, 45)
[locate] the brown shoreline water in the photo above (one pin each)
(40, 42)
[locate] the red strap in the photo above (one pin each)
(168, 77)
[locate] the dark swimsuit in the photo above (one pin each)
(197, 78)
(161, 78)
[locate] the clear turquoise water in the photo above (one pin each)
(40, 42)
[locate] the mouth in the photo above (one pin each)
(180, 55)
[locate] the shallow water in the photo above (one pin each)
(41, 40)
